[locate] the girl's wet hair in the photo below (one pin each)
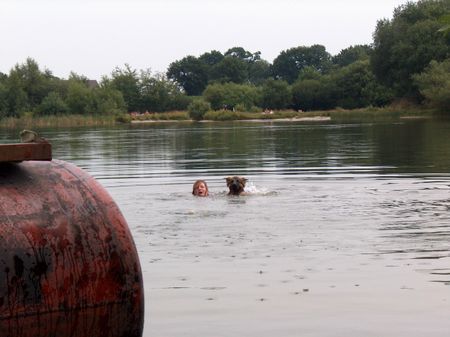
(196, 184)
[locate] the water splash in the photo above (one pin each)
(252, 189)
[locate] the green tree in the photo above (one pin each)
(26, 87)
(405, 45)
(240, 66)
(276, 94)
(244, 55)
(258, 72)
(355, 86)
(79, 98)
(76, 77)
(230, 69)
(52, 104)
(289, 63)
(160, 94)
(434, 84)
(106, 100)
(229, 95)
(16, 97)
(312, 94)
(211, 58)
(349, 87)
(190, 73)
(3, 100)
(34, 82)
(309, 73)
(198, 108)
(126, 81)
(445, 22)
(351, 54)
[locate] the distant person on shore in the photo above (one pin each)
(200, 189)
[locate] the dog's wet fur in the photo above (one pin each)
(236, 185)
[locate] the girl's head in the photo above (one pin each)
(200, 188)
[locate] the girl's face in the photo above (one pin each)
(202, 191)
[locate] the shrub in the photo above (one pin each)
(198, 108)
(222, 115)
(434, 84)
(255, 109)
(123, 118)
(240, 107)
(52, 104)
(307, 94)
(107, 101)
(79, 98)
(229, 95)
(276, 94)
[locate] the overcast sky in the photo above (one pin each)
(92, 37)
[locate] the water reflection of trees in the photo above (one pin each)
(409, 146)
(412, 146)
(287, 145)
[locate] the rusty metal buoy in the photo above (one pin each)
(68, 263)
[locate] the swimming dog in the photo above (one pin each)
(236, 185)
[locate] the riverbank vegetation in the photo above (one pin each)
(64, 121)
(406, 66)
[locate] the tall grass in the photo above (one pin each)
(373, 113)
(57, 121)
(370, 113)
(226, 115)
(162, 116)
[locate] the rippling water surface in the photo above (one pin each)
(345, 231)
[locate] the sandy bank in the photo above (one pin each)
(295, 119)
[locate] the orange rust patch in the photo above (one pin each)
(25, 151)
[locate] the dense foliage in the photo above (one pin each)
(405, 45)
(29, 91)
(230, 95)
(198, 108)
(434, 84)
(291, 62)
(409, 59)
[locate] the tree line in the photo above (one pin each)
(409, 59)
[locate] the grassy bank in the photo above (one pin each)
(334, 115)
(374, 113)
(57, 121)
(338, 115)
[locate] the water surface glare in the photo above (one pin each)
(345, 231)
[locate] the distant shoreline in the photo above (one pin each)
(262, 120)
(337, 115)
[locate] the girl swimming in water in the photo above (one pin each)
(200, 188)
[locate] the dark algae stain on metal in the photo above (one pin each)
(68, 263)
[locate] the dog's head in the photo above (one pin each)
(236, 184)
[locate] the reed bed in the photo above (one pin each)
(57, 121)
(338, 115)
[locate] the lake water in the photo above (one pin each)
(345, 231)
